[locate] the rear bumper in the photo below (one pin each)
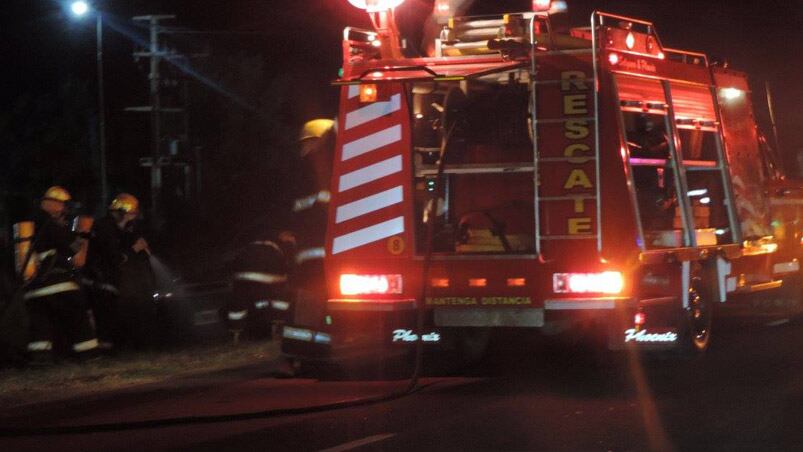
(385, 328)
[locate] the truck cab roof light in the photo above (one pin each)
(477, 282)
(373, 6)
(731, 93)
(541, 6)
(443, 8)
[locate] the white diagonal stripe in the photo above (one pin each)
(371, 142)
(368, 235)
(370, 173)
(354, 91)
(369, 204)
(373, 111)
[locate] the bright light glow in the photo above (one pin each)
(541, 5)
(440, 282)
(79, 8)
(613, 58)
(605, 282)
(705, 200)
(731, 93)
(442, 7)
(368, 93)
(516, 282)
(630, 41)
(373, 6)
(477, 282)
(370, 284)
(661, 55)
(640, 319)
(699, 192)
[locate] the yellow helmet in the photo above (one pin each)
(316, 129)
(56, 193)
(125, 202)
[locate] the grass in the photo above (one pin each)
(26, 386)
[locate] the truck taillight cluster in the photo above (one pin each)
(352, 284)
(609, 282)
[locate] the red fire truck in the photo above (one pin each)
(525, 174)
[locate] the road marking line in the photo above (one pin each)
(360, 442)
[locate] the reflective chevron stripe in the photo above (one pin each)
(372, 142)
(368, 235)
(370, 173)
(373, 111)
(369, 204)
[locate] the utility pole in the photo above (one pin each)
(166, 162)
(155, 110)
(104, 178)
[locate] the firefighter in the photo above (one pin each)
(307, 234)
(304, 239)
(56, 305)
(112, 243)
(656, 197)
(258, 290)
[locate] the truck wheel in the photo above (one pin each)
(697, 320)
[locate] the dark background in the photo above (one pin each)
(265, 69)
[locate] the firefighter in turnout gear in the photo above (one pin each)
(56, 305)
(112, 243)
(317, 142)
(306, 236)
(258, 290)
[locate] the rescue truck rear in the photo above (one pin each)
(525, 174)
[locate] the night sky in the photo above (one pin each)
(299, 41)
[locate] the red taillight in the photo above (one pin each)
(640, 319)
(605, 282)
(541, 5)
(351, 284)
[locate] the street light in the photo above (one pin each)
(79, 10)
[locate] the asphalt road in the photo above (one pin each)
(747, 394)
